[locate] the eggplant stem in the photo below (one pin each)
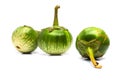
(55, 23)
(91, 56)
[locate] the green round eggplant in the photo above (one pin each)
(55, 40)
(24, 39)
(92, 43)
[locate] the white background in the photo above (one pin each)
(74, 15)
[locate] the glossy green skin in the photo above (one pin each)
(54, 41)
(24, 39)
(95, 38)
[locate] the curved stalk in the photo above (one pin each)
(91, 56)
(55, 23)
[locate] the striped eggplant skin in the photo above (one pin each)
(95, 38)
(54, 41)
(24, 39)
